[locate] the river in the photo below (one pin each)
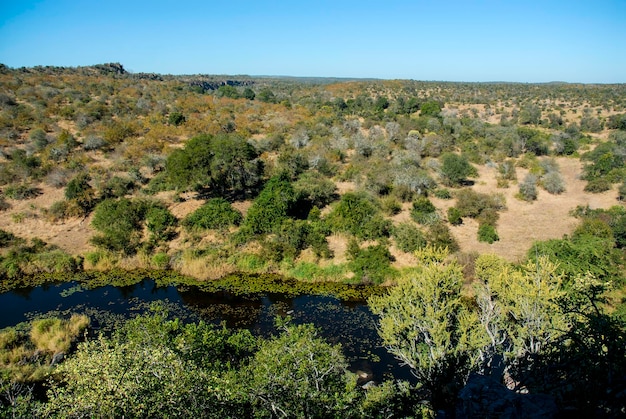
(349, 323)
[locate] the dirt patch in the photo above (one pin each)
(28, 219)
(522, 222)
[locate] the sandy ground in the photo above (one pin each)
(522, 222)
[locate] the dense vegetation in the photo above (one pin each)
(355, 182)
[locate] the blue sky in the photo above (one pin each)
(488, 40)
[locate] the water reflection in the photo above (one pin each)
(350, 324)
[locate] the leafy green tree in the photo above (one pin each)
(160, 223)
(266, 95)
(298, 375)
(227, 91)
(408, 237)
(225, 163)
(152, 367)
(431, 108)
(371, 265)
(119, 222)
(424, 323)
(455, 169)
(248, 93)
(271, 207)
(357, 214)
(176, 118)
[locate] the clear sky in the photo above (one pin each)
(455, 40)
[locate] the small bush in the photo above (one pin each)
(357, 214)
(424, 212)
(216, 213)
(442, 193)
(598, 185)
(390, 206)
(408, 237)
(454, 216)
(22, 192)
(93, 142)
(439, 236)
(528, 188)
(487, 233)
(372, 265)
(553, 183)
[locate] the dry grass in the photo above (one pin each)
(55, 335)
(522, 222)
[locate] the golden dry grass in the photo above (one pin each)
(522, 222)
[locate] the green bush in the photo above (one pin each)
(442, 193)
(22, 192)
(390, 205)
(598, 185)
(119, 222)
(408, 237)
(273, 205)
(357, 214)
(439, 236)
(216, 213)
(487, 233)
(372, 265)
(455, 169)
(424, 212)
(316, 189)
(454, 216)
(160, 222)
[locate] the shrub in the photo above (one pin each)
(372, 265)
(423, 211)
(216, 213)
(22, 192)
(528, 188)
(390, 205)
(271, 207)
(455, 169)
(598, 185)
(553, 183)
(160, 222)
(439, 236)
(317, 190)
(487, 233)
(357, 214)
(120, 223)
(408, 237)
(454, 216)
(442, 193)
(93, 142)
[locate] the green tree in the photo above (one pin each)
(224, 163)
(431, 108)
(271, 207)
(357, 214)
(455, 169)
(298, 375)
(424, 323)
(152, 367)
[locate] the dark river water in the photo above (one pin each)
(349, 323)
